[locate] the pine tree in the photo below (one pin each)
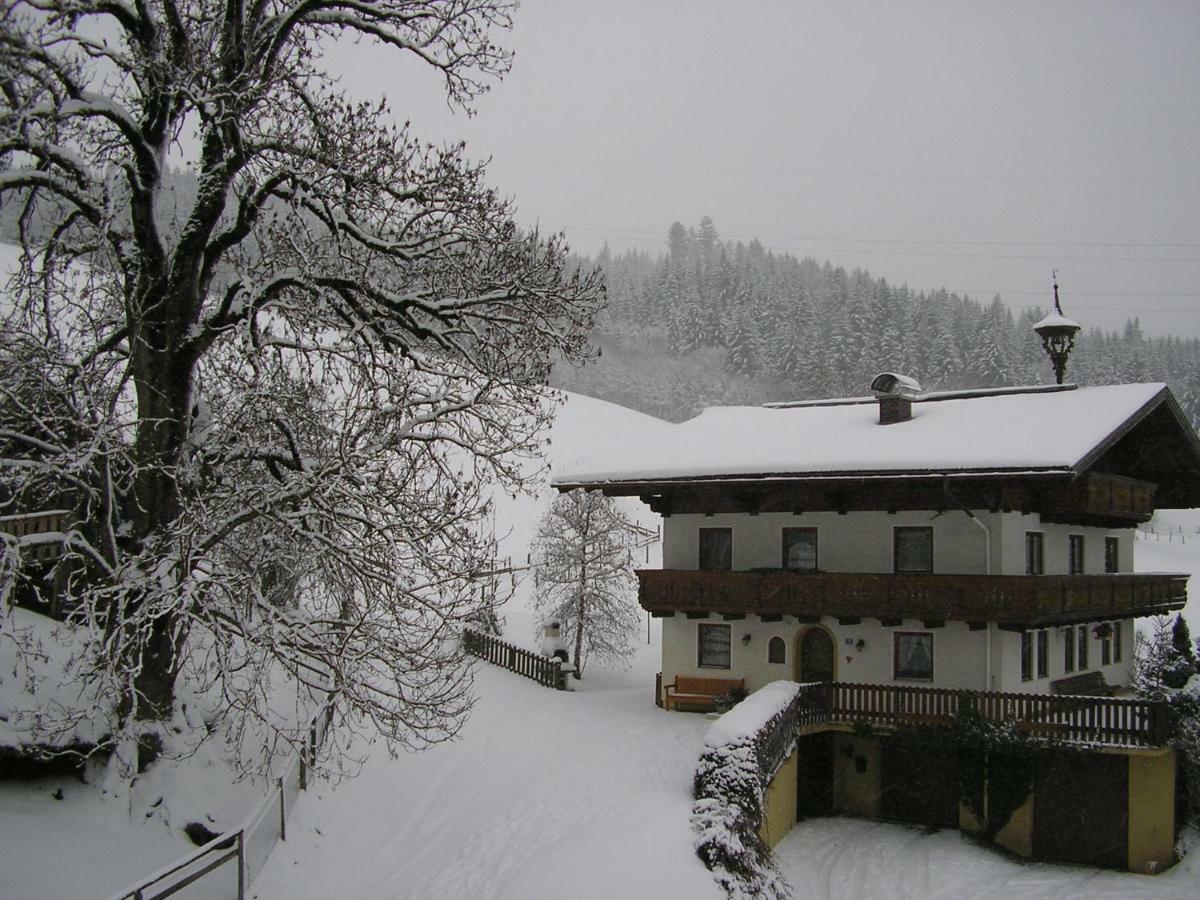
(583, 550)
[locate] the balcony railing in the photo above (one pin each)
(1102, 721)
(1029, 601)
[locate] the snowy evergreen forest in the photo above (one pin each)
(712, 322)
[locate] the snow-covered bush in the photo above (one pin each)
(742, 753)
(1165, 669)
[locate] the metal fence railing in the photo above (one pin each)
(224, 867)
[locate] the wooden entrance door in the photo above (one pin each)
(815, 660)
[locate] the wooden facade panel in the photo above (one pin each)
(1080, 809)
(919, 784)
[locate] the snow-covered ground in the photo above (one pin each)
(545, 794)
(843, 859)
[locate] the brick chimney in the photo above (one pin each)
(895, 394)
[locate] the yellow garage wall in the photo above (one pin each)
(779, 814)
(855, 792)
(1017, 834)
(1151, 812)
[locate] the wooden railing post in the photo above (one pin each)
(282, 811)
(241, 861)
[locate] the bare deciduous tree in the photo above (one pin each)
(583, 550)
(271, 401)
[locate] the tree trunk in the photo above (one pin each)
(163, 379)
(579, 641)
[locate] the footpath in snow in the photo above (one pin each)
(546, 794)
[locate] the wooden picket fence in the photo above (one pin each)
(544, 670)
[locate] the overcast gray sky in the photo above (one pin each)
(968, 145)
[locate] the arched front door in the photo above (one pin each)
(814, 659)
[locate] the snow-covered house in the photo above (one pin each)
(971, 540)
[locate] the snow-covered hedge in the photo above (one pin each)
(742, 751)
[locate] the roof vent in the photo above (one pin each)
(896, 394)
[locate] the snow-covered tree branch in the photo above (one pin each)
(585, 580)
(272, 384)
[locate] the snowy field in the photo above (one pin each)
(545, 794)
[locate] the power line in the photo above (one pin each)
(660, 236)
(845, 173)
(633, 236)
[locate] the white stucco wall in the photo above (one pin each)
(863, 542)
(1009, 659)
(854, 542)
(959, 654)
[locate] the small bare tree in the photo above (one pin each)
(271, 385)
(583, 553)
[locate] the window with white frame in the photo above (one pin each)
(1112, 555)
(716, 549)
(714, 643)
(800, 549)
(777, 650)
(912, 656)
(913, 549)
(1035, 553)
(1075, 554)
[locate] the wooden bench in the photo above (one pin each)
(1085, 684)
(699, 690)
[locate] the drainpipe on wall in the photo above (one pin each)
(987, 570)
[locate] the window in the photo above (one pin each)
(1082, 655)
(800, 549)
(1105, 644)
(716, 548)
(714, 646)
(912, 655)
(1112, 555)
(1068, 649)
(1035, 553)
(1075, 554)
(777, 650)
(1116, 642)
(1043, 648)
(913, 549)
(1026, 656)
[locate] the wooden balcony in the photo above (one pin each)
(1101, 499)
(1102, 721)
(1018, 601)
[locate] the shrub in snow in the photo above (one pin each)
(743, 750)
(1165, 669)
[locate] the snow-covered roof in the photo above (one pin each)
(1035, 430)
(1057, 320)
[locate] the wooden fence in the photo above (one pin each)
(1105, 721)
(542, 669)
